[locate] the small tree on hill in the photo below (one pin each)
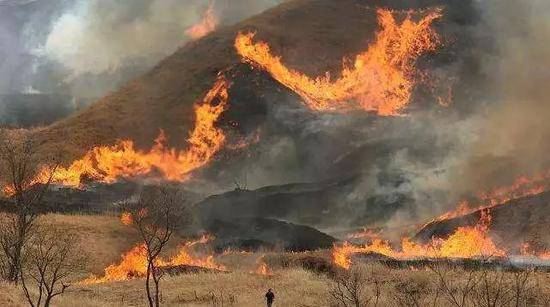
(157, 214)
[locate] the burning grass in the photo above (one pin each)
(381, 79)
(465, 242)
(134, 262)
(297, 278)
(522, 186)
(109, 163)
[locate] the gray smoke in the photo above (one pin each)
(509, 137)
(506, 135)
(82, 49)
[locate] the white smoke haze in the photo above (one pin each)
(86, 48)
(100, 36)
(97, 36)
(513, 132)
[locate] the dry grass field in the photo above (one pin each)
(106, 239)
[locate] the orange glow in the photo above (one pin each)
(523, 186)
(126, 218)
(107, 164)
(134, 262)
(380, 80)
(185, 257)
(208, 24)
(263, 269)
(341, 254)
(251, 139)
(528, 251)
(465, 242)
(447, 99)
(132, 265)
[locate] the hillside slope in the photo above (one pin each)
(311, 36)
(512, 224)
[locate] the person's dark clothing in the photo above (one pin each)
(269, 297)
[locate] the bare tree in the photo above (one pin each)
(356, 287)
(52, 256)
(413, 290)
(523, 287)
(492, 289)
(156, 215)
(459, 292)
(27, 176)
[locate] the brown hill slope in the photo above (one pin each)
(311, 35)
(513, 223)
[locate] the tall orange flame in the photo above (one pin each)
(108, 163)
(208, 24)
(381, 78)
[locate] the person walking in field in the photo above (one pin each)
(270, 297)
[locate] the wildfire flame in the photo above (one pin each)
(465, 242)
(208, 24)
(523, 186)
(134, 262)
(381, 78)
(263, 269)
(108, 163)
(126, 218)
(528, 251)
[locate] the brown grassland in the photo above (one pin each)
(105, 239)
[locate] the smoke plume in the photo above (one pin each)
(82, 49)
(505, 135)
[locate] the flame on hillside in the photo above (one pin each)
(134, 262)
(381, 79)
(523, 186)
(465, 242)
(208, 24)
(106, 164)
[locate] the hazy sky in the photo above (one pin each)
(84, 48)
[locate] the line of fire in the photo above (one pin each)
(337, 153)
